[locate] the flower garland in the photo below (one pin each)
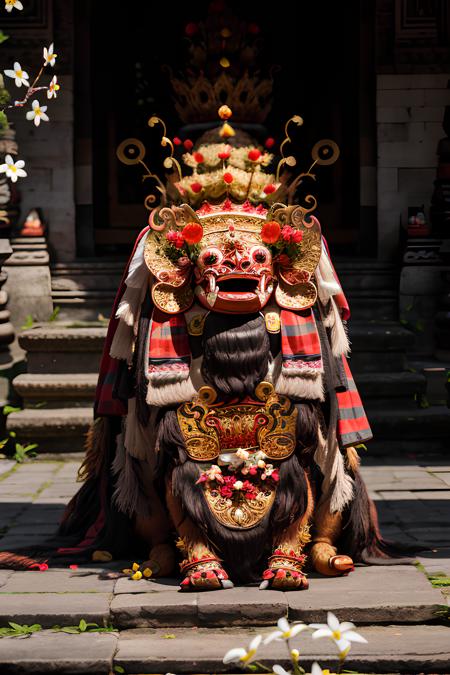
(245, 474)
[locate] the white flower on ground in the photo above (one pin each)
(279, 670)
(20, 76)
(37, 113)
(53, 87)
(49, 56)
(239, 654)
(285, 631)
(341, 633)
(9, 4)
(13, 170)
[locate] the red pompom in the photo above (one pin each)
(268, 189)
(269, 143)
(198, 157)
(270, 232)
(228, 178)
(191, 29)
(177, 141)
(188, 144)
(196, 187)
(192, 233)
(254, 155)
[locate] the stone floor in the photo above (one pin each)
(405, 619)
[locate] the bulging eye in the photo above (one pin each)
(211, 256)
(261, 255)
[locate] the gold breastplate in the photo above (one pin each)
(267, 423)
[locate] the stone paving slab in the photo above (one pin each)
(390, 649)
(50, 609)
(48, 652)
(57, 581)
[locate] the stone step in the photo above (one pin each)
(62, 596)
(56, 390)
(54, 429)
(379, 336)
(401, 423)
(390, 384)
(63, 348)
(389, 649)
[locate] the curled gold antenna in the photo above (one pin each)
(290, 159)
(132, 151)
(170, 161)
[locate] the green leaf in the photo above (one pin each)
(54, 315)
(3, 37)
(17, 626)
(29, 322)
(70, 629)
(82, 625)
(8, 409)
(119, 669)
(3, 443)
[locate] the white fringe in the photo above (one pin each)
(339, 336)
(337, 484)
(122, 344)
(169, 394)
(308, 386)
(138, 272)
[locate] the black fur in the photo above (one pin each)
(236, 353)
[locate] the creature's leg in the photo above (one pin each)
(323, 551)
(287, 561)
(201, 567)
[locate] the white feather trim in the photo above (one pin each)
(169, 394)
(339, 336)
(337, 484)
(122, 344)
(138, 272)
(139, 441)
(301, 386)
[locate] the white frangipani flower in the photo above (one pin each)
(241, 655)
(279, 670)
(9, 4)
(49, 56)
(19, 75)
(53, 87)
(341, 633)
(13, 170)
(285, 631)
(317, 670)
(37, 113)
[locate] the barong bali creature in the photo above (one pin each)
(226, 415)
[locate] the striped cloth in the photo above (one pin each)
(169, 350)
(300, 343)
(352, 426)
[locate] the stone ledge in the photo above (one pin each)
(390, 649)
(63, 338)
(77, 385)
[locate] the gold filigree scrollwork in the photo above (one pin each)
(132, 151)
(238, 512)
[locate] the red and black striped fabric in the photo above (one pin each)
(169, 350)
(353, 426)
(300, 343)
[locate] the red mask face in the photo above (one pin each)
(236, 277)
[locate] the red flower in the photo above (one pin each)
(284, 260)
(190, 29)
(254, 155)
(268, 189)
(226, 491)
(228, 178)
(253, 471)
(198, 157)
(73, 567)
(269, 143)
(225, 154)
(192, 233)
(291, 235)
(196, 187)
(175, 238)
(188, 144)
(177, 141)
(270, 232)
(275, 476)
